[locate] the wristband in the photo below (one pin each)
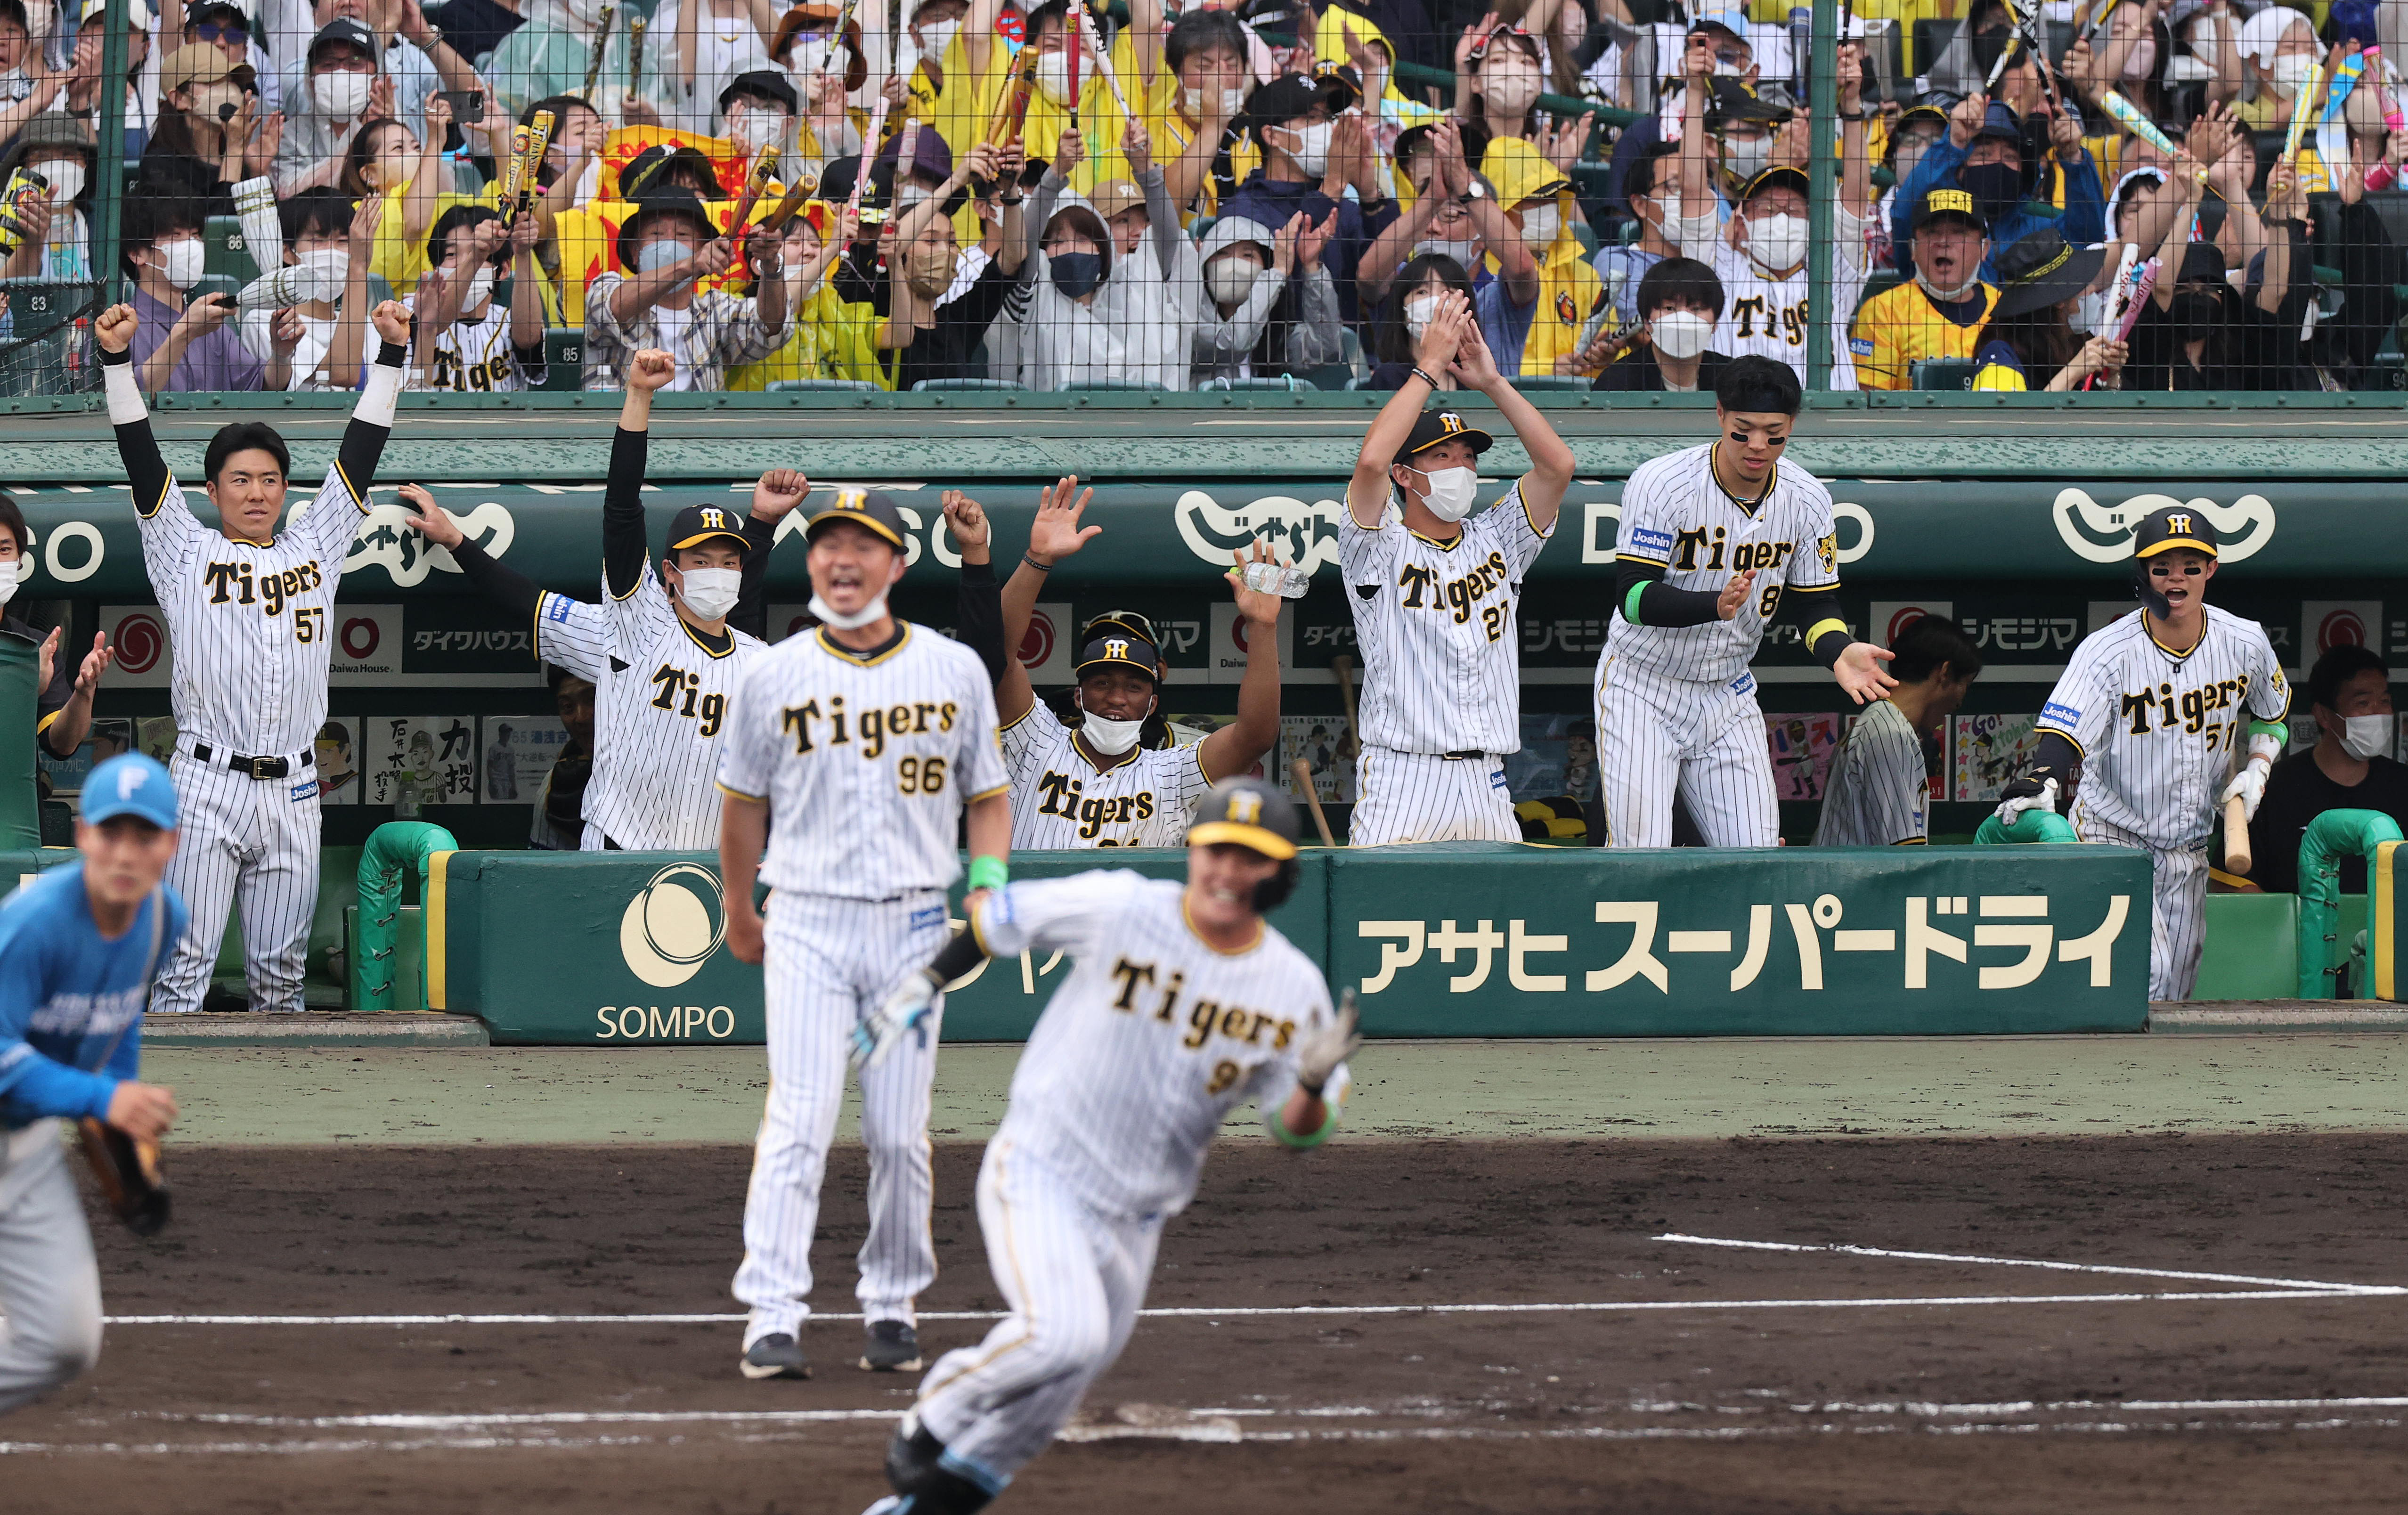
(1422, 375)
(988, 873)
(1041, 568)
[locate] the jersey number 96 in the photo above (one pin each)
(920, 776)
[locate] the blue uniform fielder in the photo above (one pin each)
(71, 1003)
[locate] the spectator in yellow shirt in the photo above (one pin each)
(1938, 312)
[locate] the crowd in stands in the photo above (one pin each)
(2147, 194)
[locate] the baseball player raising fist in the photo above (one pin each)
(1714, 540)
(1183, 1003)
(1434, 597)
(856, 749)
(2153, 708)
(247, 611)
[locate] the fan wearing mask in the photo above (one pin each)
(1497, 81)
(1454, 215)
(1984, 155)
(1435, 593)
(1681, 301)
(825, 69)
(1529, 338)
(1196, 107)
(180, 344)
(759, 108)
(1155, 293)
(666, 247)
(2351, 767)
(1094, 782)
(467, 343)
(2278, 47)
(339, 91)
(706, 48)
(1315, 145)
(1255, 320)
(208, 138)
(1052, 109)
(57, 243)
(937, 337)
(2028, 342)
(1063, 338)
(1936, 313)
(1653, 193)
(317, 225)
(1405, 315)
(2197, 331)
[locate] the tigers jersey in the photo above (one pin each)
(1062, 797)
(866, 766)
(476, 356)
(1152, 1038)
(1768, 315)
(2157, 730)
(1676, 515)
(1879, 794)
(1441, 650)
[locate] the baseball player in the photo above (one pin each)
(663, 650)
(249, 611)
(80, 948)
(1097, 783)
(855, 749)
(1183, 1002)
(2153, 708)
(1675, 702)
(1434, 597)
(1879, 793)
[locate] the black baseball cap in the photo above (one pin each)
(1941, 203)
(344, 29)
(647, 169)
(1248, 812)
(698, 523)
(1107, 652)
(766, 83)
(1778, 177)
(2172, 526)
(1733, 102)
(871, 510)
(1280, 101)
(1434, 426)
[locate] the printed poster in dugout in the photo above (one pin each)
(1802, 744)
(1987, 752)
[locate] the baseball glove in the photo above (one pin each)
(129, 1174)
(1318, 1055)
(905, 1013)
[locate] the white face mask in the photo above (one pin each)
(181, 264)
(330, 264)
(1451, 492)
(935, 38)
(2090, 313)
(826, 615)
(1777, 242)
(66, 181)
(341, 96)
(1107, 738)
(1667, 210)
(1539, 224)
(910, 195)
(8, 578)
(481, 289)
(1746, 157)
(1418, 311)
(711, 592)
(2292, 71)
(1466, 252)
(1312, 150)
(1679, 334)
(1231, 99)
(1229, 279)
(754, 129)
(1053, 78)
(2362, 736)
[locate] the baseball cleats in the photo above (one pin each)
(777, 1356)
(892, 1347)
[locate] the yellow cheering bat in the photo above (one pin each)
(601, 45)
(805, 185)
(516, 167)
(1011, 104)
(756, 183)
(2303, 106)
(526, 159)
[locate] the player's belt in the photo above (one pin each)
(1462, 756)
(257, 768)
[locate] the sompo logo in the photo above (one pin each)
(673, 925)
(1305, 534)
(2103, 533)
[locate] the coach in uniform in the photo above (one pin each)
(248, 612)
(2154, 706)
(1675, 701)
(1879, 791)
(1434, 597)
(1095, 782)
(854, 752)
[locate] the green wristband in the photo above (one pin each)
(988, 873)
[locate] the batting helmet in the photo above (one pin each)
(1250, 813)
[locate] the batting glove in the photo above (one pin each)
(2250, 785)
(1318, 1055)
(2023, 794)
(905, 1013)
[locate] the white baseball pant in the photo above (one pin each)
(1423, 797)
(1655, 734)
(2177, 903)
(243, 839)
(830, 963)
(1075, 1280)
(49, 1286)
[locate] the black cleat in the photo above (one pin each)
(777, 1356)
(892, 1347)
(912, 1455)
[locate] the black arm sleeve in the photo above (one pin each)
(1659, 604)
(752, 613)
(957, 957)
(978, 613)
(139, 450)
(364, 441)
(624, 547)
(2057, 759)
(505, 586)
(1803, 607)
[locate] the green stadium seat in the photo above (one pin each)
(938, 386)
(1342, 373)
(1114, 384)
(1942, 373)
(1587, 236)
(563, 358)
(1549, 383)
(821, 386)
(225, 253)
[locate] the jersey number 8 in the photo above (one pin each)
(920, 776)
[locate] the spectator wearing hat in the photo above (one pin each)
(83, 71)
(1052, 109)
(209, 136)
(934, 336)
(2278, 47)
(180, 344)
(1066, 333)
(1255, 320)
(2028, 341)
(340, 90)
(757, 108)
(1198, 76)
(2351, 767)
(1310, 155)
(704, 47)
(225, 25)
(2197, 331)
(1539, 207)
(1936, 312)
(406, 51)
(1910, 136)
(57, 242)
(806, 46)
(664, 247)
(1983, 154)
(1681, 301)
(550, 54)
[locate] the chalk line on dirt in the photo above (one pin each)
(1844, 1249)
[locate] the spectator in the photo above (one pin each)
(758, 109)
(1681, 301)
(832, 338)
(58, 231)
(2206, 50)
(2349, 769)
(339, 91)
(2028, 341)
(476, 27)
(1880, 789)
(180, 345)
(1498, 75)
(2344, 345)
(671, 166)
(1653, 193)
(2279, 46)
(560, 810)
(931, 26)
(465, 342)
(1310, 158)
(1744, 135)
(703, 47)
(937, 336)
(1256, 321)
(1405, 314)
(1062, 339)
(63, 691)
(1052, 109)
(209, 136)
(548, 53)
(1983, 154)
(806, 46)
(223, 24)
(18, 83)
(403, 48)
(664, 247)
(1205, 157)
(1939, 310)
(1910, 136)
(1455, 213)
(2198, 333)
(1539, 207)
(83, 74)
(322, 342)
(571, 175)
(1155, 288)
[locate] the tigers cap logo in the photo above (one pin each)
(1116, 649)
(2179, 524)
(715, 518)
(852, 499)
(1449, 422)
(1246, 809)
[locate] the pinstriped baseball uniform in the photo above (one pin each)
(1150, 1043)
(1062, 797)
(249, 625)
(1676, 704)
(1879, 793)
(1442, 702)
(866, 765)
(2158, 732)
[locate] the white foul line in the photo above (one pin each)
(1844, 1248)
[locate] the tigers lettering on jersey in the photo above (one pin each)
(2162, 709)
(1746, 557)
(876, 724)
(231, 584)
(1201, 1021)
(1783, 324)
(676, 692)
(451, 372)
(1459, 596)
(1060, 796)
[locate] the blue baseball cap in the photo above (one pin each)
(131, 784)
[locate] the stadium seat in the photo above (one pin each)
(1115, 384)
(1549, 383)
(822, 386)
(1587, 236)
(937, 386)
(223, 251)
(1342, 373)
(1286, 383)
(46, 353)
(563, 357)
(1942, 373)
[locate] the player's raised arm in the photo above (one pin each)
(1367, 491)
(977, 606)
(1056, 535)
(775, 496)
(371, 424)
(572, 634)
(128, 417)
(1236, 747)
(1550, 461)
(625, 553)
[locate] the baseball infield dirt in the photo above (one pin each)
(1726, 1379)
